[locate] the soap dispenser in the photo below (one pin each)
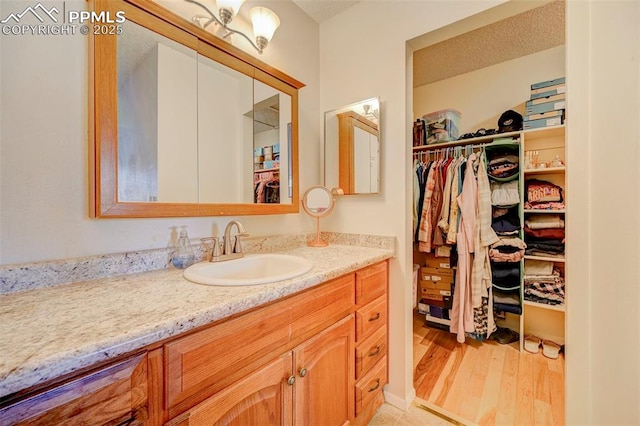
(184, 256)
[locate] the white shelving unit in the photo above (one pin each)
(540, 319)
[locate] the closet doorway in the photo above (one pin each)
(483, 66)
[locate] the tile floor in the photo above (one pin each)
(388, 415)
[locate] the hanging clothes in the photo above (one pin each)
(422, 173)
(462, 320)
(416, 192)
(454, 211)
(260, 182)
(481, 288)
(425, 232)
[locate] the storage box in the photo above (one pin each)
(271, 164)
(423, 308)
(276, 148)
(442, 126)
(548, 114)
(436, 274)
(257, 152)
(543, 122)
(434, 293)
(443, 286)
(544, 107)
(548, 83)
(432, 261)
(553, 98)
(438, 312)
(440, 301)
(548, 91)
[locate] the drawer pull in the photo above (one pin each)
(375, 317)
(291, 380)
(303, 372)
(375, 352)
(376, 386)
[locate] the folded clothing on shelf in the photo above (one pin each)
(506, 297)
(544, 246)
(503, 307)
(541, 221)
(537, 267)
(507, 249)
(550, 287)
(541, 191)
(544, 233)
(505, 194)
(505, 275)
(506, 221)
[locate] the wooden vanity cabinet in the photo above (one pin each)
(112, 395)
(371, 370)
(289, 363)
(309, 385)
(315, 358)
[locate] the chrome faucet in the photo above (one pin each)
(226, 250)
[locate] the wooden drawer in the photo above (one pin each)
(370, 351)
(112, 395)
(370, 385)
(371, 317)
(207, 361)
(371, 282)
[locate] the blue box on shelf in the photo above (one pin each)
(548, 83)
(544, 107)
(276, 148)
(543, 122)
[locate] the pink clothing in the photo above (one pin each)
(462, 310)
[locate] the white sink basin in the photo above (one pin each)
(248, 270)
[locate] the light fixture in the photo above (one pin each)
(265, 21)
(367, 113)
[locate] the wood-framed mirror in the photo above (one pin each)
(185, 124)
(352, 148)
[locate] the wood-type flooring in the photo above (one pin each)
(485, 382)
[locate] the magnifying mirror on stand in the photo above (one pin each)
(318, 202)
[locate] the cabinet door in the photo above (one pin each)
(324, 368)
(261, 398)
(116, 394)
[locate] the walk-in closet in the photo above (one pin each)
(489, 209)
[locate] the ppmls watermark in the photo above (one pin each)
(57, 20)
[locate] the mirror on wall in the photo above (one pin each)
(188, 129)
(352, 148)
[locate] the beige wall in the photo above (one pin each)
(603, 371)
(603, 345)
(44, 147)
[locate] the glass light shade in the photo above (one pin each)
(232, 5)
(265, 22)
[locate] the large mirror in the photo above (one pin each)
(186, 129)
(352, 148)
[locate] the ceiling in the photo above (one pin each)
(321, 10)
(533, 31)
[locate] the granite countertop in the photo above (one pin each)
(52, 331)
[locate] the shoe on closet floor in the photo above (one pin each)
(550, 349)
(504, 336)
(532, 344)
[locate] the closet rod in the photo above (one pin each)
(489, 139)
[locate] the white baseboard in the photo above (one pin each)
(401, 403)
